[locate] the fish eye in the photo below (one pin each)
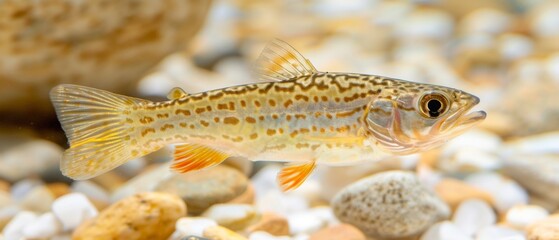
(433, 105)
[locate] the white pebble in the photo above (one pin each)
(552, 67)
(499, 233)
(487, 20)
(470, 159)
(473, 215)
(445, 231)
(326, 214)
(545, 19)
(476, 139)
(523, 215)
(264, 180)
(280, 203)
(14, 229)
(9, 212)
(425, 24)
(46, 226)
(505, 192)
(261, 235)
(192, 226)
(515, 46)
(73, 209)
(304, 223)
(20, 189)
(301, 237)
(545, 143)
(226, 213)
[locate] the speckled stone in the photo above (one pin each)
(142, 216)
(391, 204)
(545, 229)
(202, 189)
(108, 44)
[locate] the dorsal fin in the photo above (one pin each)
(176, 93)
(279, 61)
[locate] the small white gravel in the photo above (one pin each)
(73, 209)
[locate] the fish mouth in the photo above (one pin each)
(464, 119)
(472, 117)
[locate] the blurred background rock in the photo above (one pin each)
(504, 51)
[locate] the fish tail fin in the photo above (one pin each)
(98, 126)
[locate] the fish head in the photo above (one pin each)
(418, 117)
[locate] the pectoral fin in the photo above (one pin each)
(190, 157)
(293, 175)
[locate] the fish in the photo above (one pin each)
(295, 114)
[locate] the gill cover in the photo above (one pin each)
(409, 123)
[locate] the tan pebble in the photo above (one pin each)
(245, 198)
(272, 224)
(202, 189)
(221, 233)
(453, 192)
(58, 189)
(242, 164)
(4, 186)
(429, 158)
(546, 229)
(100, 205)
(342, 231)
(39, 199)
(149, 215)
(233, 216)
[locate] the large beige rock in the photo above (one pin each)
(392, 204)
(149, 215)
(100, 43)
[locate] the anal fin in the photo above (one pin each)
(190, 157)
(293, 175)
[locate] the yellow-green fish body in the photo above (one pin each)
(302, 116)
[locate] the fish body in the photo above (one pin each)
(301, 115)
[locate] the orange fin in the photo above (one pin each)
(293, 175)
(190, 157)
